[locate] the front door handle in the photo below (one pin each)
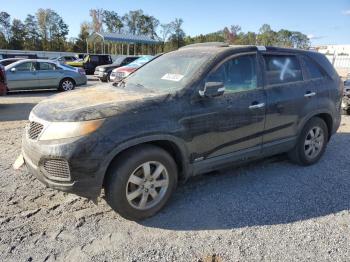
(310, 94)
(255, 106)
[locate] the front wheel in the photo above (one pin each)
(66, 84)
(140, 182)
(311, 144)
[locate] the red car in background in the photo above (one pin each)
(3, 84)
(122, 72)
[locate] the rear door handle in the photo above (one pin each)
(310, 94)
(255, 106)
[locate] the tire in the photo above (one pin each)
(66, 84)
(126, 177)
(302, 152)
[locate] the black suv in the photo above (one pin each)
(90, 62)
(188, 112)
(103, 72)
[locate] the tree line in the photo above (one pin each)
(47, 31)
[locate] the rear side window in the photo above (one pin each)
(94, 59)
(312, 68)
(46, 66)
(282, 69)
(104, 59)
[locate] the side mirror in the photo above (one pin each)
(212, 89)
(13, 69)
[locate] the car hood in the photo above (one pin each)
(107, 66)
(76, 63)
(125, 69)
(90, 103)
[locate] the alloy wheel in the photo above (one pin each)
(314, 142)
(147, 185)
(67, 85)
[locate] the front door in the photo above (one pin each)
(23, 77)
(234, 121)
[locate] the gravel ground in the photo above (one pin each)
(270, 210)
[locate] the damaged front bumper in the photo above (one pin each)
(62, 166)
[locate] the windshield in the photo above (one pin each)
(119, 60)
(168, 73)
(140, 61)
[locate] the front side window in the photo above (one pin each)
(237, 74)
(282, 69)
(26, 66)
(313, 69)
(46, 66)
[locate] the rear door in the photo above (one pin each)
(289, 98)
(24, 77)
(49, 75)
(234, 121)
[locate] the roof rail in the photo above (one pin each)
(207, 44)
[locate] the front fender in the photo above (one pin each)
(180, 144)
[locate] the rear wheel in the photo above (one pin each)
(66, 84)
(311, 144)
(140, 182)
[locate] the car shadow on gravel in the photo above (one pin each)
(262, 193)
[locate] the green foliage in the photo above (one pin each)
(47, 31)
(112, 21)
(5, 29)
(18, 34)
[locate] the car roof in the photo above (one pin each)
(38, 60)
(221, 47)
(13, 58)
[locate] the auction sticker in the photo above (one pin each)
(172, 77)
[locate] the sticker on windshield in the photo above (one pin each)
(172, 77)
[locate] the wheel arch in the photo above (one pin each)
(172, 145)
(324, 115)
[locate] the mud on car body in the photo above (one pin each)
(187, 112)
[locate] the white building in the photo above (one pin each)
(338, 50)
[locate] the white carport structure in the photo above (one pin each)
(114, 43)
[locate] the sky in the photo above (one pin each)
(324, 21)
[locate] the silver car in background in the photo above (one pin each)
(32, 74)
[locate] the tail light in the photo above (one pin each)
(2, 74)
(81, 71)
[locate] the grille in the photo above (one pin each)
(34, 130)
(57, 169)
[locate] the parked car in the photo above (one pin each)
(187, 112)
(3, 84)
(64, 59)
(42, 74)
(103, 72)
(90, 62)
(7, 61)
(122, 72)
(23, 56)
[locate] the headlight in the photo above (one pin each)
(59, 130)
(102, 69)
